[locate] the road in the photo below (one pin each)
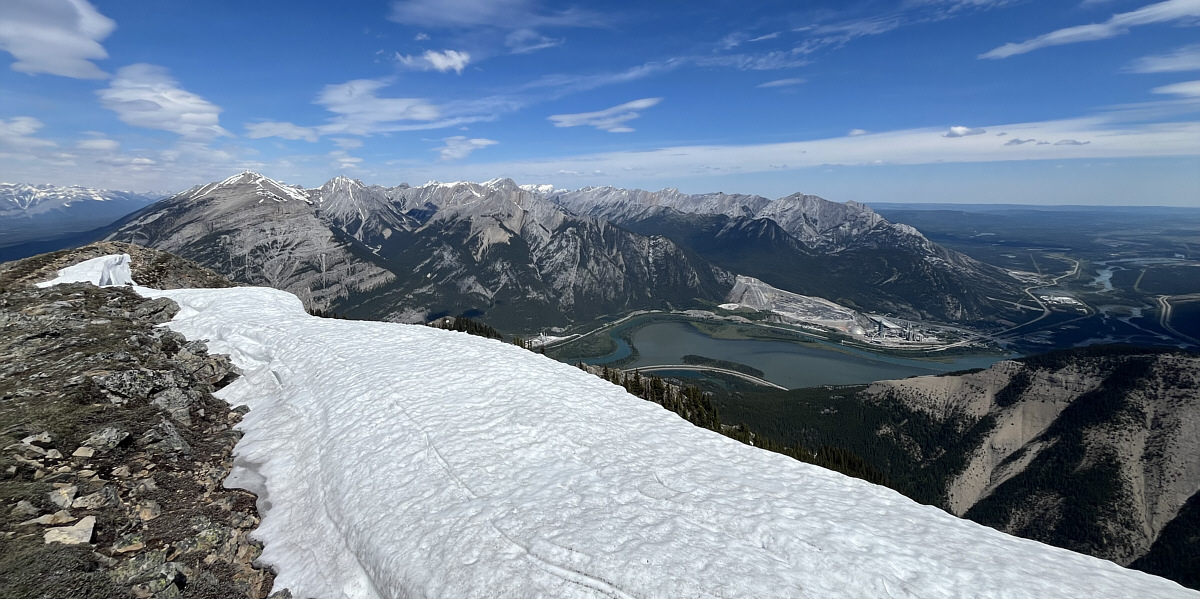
(698, 368)
(1164, 314)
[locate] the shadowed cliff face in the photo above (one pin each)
(1096, 450)
(806, 244)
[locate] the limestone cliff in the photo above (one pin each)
(1096, 450)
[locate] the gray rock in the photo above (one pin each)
(24, 508)
(78, 534)
(106, 497)
(43, 439)
(106, 438)
(165, 438)
(156, 311)
(176, 403)
(63, 497)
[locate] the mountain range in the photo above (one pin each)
(395, 461)
(31, 212)
(530, 257)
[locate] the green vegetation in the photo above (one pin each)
(689, 402)
(916, 454)
(1176, 553)
(463, 324)
(726, 364)
(1067, 488)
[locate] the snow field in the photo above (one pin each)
(404, 461)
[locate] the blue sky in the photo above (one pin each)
(1015, 101)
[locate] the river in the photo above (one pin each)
(792, 365)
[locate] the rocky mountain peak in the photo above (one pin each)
(261, 187)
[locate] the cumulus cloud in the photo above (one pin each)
(458, 146)
(1187, 89)
(446, 60)
(960, 131)
(1186, 58)
(610, 119)
(145, 95)
(280, 129)
(99, 144)
(1118, 24)
(58, 37)
(783, 82)
(360, 110)
(17, 132)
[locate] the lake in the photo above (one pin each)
(792, 365)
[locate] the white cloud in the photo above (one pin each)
(504, 14)
(59, 37)
(145, 95)
(610, 119)
(1187, 89)
(856, 132)
(1182, 59)
(420, 37)
(763, 38)
(280, 129)
(446, 60)
(1118, 24)
(360, 110)
(17, 133)
(344, 161)
(524, 41)
(783, 82)
(960, 131)
(100, 144)
(347, 143)
(578, 83)
(459, 146)
(757, 62)
(1106, 137)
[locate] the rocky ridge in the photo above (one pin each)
(114, 447)
(411, 254)
(1096, 450)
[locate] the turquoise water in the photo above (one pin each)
(791, 365)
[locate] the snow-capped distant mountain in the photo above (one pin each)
(39, 211)
(405, 461)
(412, 253)
(528, 257)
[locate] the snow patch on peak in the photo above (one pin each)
(503, 183)
(539, 188)
(265, 187)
